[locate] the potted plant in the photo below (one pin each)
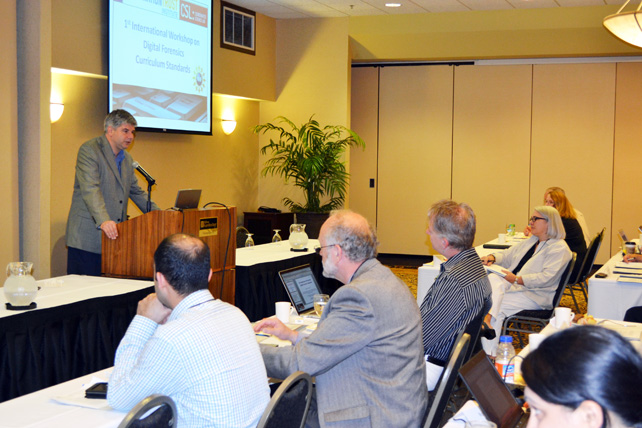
(310, 157)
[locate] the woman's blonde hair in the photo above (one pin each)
(561, 202)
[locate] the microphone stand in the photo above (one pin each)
(150, 183)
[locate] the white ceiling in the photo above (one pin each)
(289, 9)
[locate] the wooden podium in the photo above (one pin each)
(131, 255)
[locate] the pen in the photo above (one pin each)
(262, 334)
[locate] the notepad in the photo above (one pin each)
(498, 270)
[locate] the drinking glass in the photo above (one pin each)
(276, 237)
(320, 300)
(249, 242)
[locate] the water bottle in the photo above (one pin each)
(504, 364)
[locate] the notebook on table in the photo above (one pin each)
(301, 286)
(495, 399)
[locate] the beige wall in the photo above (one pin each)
(9, 223)
(516, 130)
(312, 79)
(516, 33)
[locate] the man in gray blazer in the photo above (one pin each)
(366, 353)
(104, 183)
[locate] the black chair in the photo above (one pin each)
(474, 328)
(581, 282)
(445, 386)
(528, 320)
(241, 236)
(164, 416)
(289, 404)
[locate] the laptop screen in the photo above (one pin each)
(187, 199)
(491, 393)
(301, 286)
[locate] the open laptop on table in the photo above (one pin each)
(187, 199)
(495, 399)
(301, 286)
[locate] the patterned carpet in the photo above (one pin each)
(409, 276)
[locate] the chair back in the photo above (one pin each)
(164, 416)
(474, 328)
(241, 236)
(289, 404)
(591, 255)
(563, 281)
(447, 381)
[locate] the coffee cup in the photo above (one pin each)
(563, 317)
(501, 238)
(630, 247)
(283, 311)
(534, 339)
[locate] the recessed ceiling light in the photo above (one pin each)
(393, 4)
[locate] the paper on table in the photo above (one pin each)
(78, 399)
(629, 278)
(499, 270)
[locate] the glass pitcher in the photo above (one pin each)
(20, 287)
(298, 238)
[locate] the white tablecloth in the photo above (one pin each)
(272, 252)
(74, 288)
(39, 410)
(610, 298)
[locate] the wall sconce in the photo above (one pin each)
(228, 125)
(55, 111)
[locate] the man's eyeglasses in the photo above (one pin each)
(317, 249)
(534, 219)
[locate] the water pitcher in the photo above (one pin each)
(20, 287)
(298, 238)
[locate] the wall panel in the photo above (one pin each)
(415, 150)
(491, 145)
(573, 125)
(627, 157)
(364, 121)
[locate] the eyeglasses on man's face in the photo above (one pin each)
(317, 249)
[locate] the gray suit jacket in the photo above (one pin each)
(366, 354)
(100, 194)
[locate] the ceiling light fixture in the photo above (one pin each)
(393, 4)
(626, 26)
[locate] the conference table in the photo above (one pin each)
(75, 330)
(258, 285)
(610, 297)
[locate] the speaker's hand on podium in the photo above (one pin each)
(110, 229)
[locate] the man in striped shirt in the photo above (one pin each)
(459, 291)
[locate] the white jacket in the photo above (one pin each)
(541, 274)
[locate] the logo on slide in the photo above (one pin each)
(199, 79)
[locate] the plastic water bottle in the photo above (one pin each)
(505, 353)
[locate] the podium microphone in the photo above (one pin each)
(140, 169)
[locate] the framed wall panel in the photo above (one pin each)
(627, 157)
(491, 145)
(415, 152)
(572, 143)
(364, 121)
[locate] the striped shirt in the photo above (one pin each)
(205, 357)
(458, 294)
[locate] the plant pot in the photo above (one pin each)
(312, 221)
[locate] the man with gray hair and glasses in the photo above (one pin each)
(366, 352)
(460, 290)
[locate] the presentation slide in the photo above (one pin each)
(160, 57)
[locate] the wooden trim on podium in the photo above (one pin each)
(131, 255)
